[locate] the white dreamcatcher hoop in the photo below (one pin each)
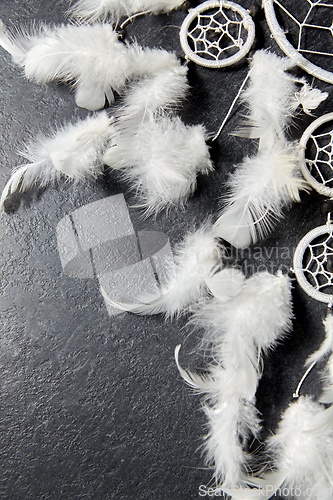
(299, 53)
(217, 34)
(318, 170)
(313, 258)
(312, 266)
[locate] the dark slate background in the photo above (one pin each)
(93, 407)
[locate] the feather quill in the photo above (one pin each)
(75, 151)
(237, 332)
(89, 57)
(93, 10)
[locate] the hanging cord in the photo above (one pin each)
(296, 393)
(130, 18)
(231, 107)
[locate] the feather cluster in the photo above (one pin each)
(93, 10)
(154, 151)
(301, 454)
(266, 182)
(90, 57)
(237, 331)
(301, 450)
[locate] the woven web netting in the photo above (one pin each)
(319, 155)
(318, 263)
(308, 26)
(217, 34)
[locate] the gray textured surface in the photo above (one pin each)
(93, 407)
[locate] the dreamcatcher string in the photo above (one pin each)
(241, 88)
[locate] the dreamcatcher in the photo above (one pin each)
(217, 34)
(141, 132)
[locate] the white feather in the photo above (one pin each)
(231, 422)
(302, 448)
(156, 94)
(197, 257)
(327, 344)
(75, 151)
(269, 96)
(326, 348)
(251, 322)
(264, 184)
(309, 98)
(161, 161)
(231, 418)
(89, 57)
(92, 10)
(259, 188)
(201, 383)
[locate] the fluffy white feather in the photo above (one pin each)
(268, 96)
(231, 423)
(154, 151)
(253, 320)
(237, 331)
(161, 161)
(324, 349)
(196, 258)
(259, 188)
(327, 344)
(272, 97)
(92, 10)
(308, 97)
(74, 151)
(302, 448)
(301, 454)
(89, 57)
(231, 418)
(156, 94)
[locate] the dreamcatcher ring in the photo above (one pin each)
(217, 34)
(314, 272)
(302, 26)
(318, 171)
